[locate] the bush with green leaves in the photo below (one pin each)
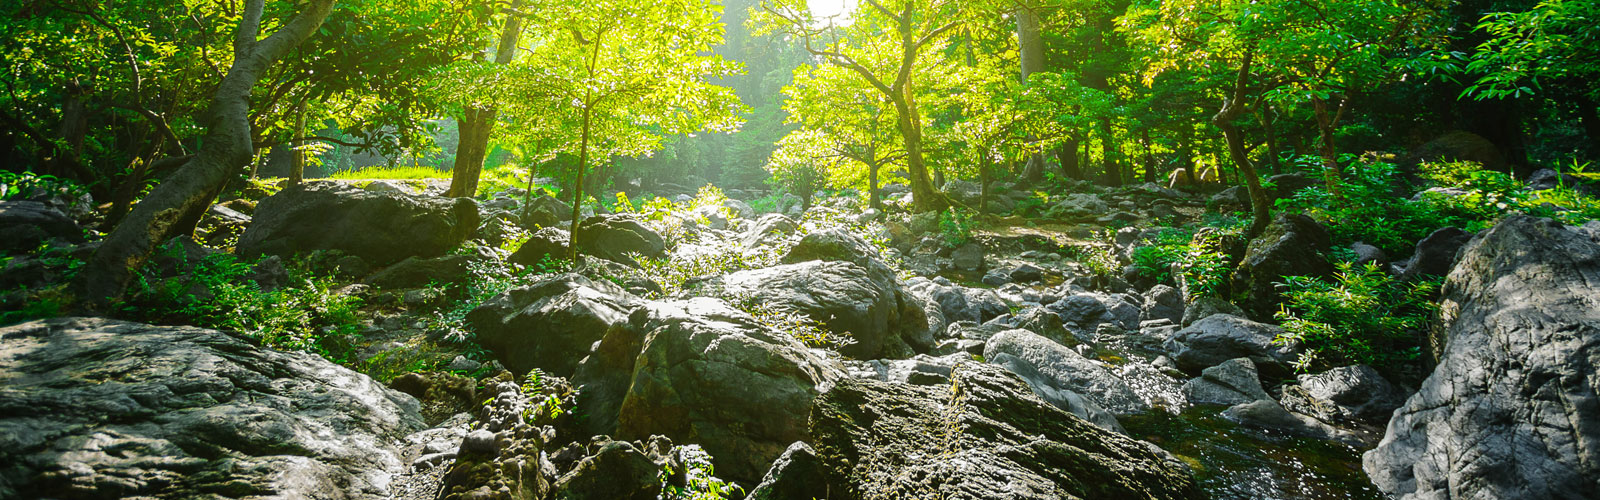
(1373, 206)
(17, 185)
(689, 475)
(955, 227)
(307, 313)
(1361, 316)
(794, 324)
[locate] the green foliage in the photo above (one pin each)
(549, 401)
(1373, 208)
(485, 279)
(1362, 316)
(1155, 261)
(1100, 258)
(795, 324)
(688, 475)
(18, 185)
(1554, 42)
(955, 227)
(307, 313)
(392, 173)
(679, 271)
(1448, 173)
(507, 177)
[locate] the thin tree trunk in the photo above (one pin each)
(1226, 119)
(1270, 129)
(983, 184)
(1326, 120)
(478, 124)
(1149, 157)
(924, 196)
(297, 155)
(874, 195)
(577, 185)
(175, 206)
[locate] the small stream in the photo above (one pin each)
(1234, 462)
(1230, 461)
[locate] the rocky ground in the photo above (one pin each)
(805, 354)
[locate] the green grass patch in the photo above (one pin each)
(392, 173)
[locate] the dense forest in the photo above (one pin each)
(772, 249)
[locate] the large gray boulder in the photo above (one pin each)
(797, 475)
(1218, 338)
(985, 435)
(710, 375)
(1233, 382)
(1435, 254)
(846, 298)
(550, 324)
(545, 244)
(959, 303)
(1162, 302)
(1293, 245)
(420, 272)
(1344, 394)
(615, 237)
(24, 225)
(770, 229)
(96, 408)
(1513, 408)
(380, 227)
(1063, 377)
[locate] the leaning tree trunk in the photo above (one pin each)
(476, 126)
(1227, 120)
(874, 193)
(175, 206)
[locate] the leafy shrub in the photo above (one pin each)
(305, 314)
(1155, 261)
(955, 227)
(1373, 208)
(1448, 173)
(485, 279)
(797, 325)
(1362, 316)
(18, 185)
(688, 476)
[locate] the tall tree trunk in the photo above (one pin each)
(175, 206)
(1108, 155)
(297, 155)
(1030, 60)
(1067, 156)
(984, 175)
(1227, 120)
(924, 196)
(577, 183)
(1149, 157)
(477, 124)
(874, 194)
